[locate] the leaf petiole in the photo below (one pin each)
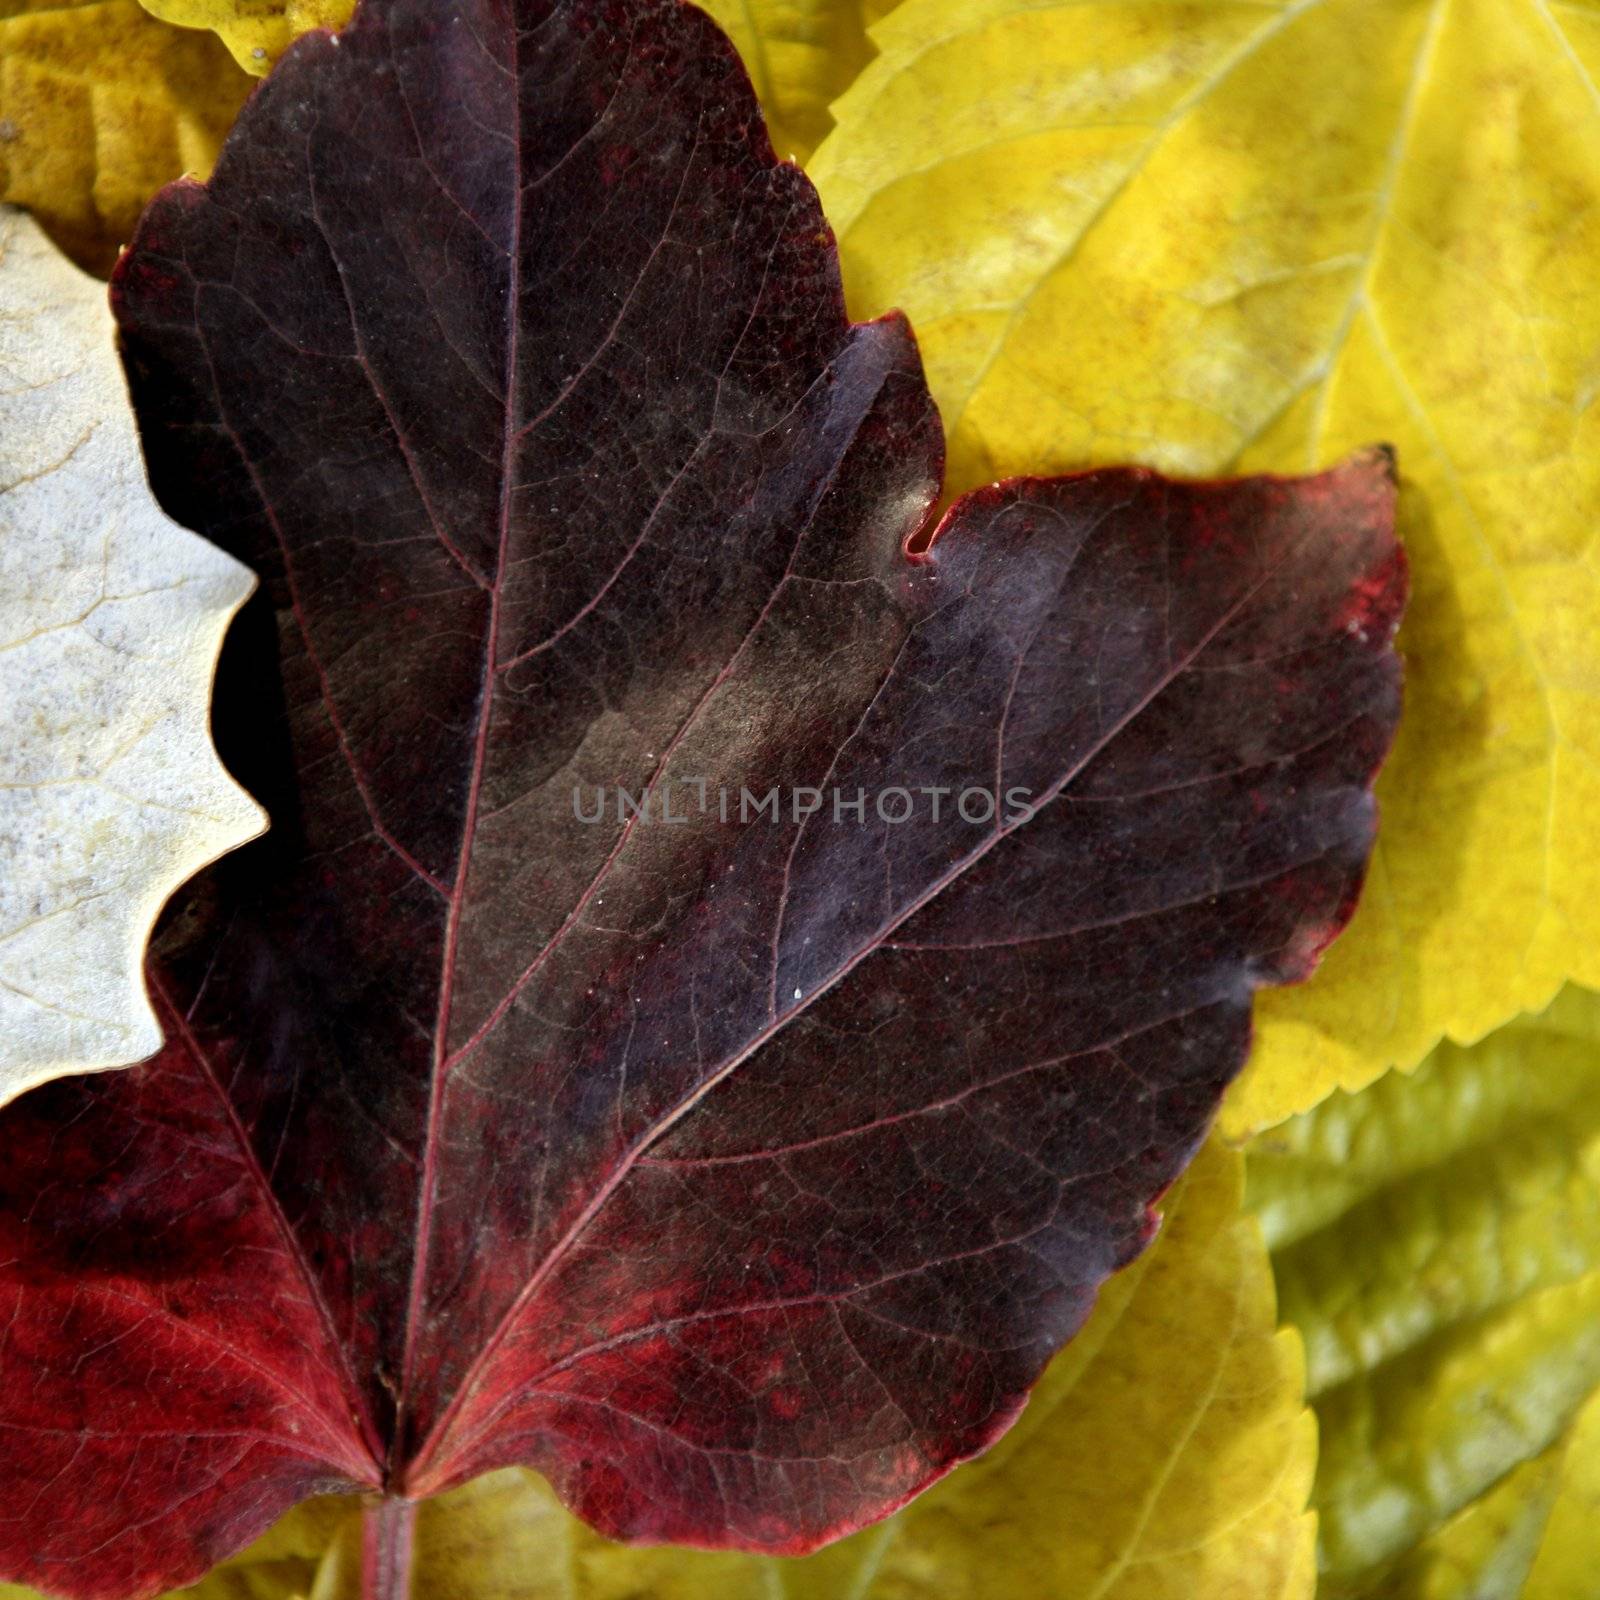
(387, 1529)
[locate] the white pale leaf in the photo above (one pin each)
(111, 617)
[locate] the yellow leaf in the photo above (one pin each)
(1254, 236)
(800, 54)
(111, 616)
(256, 31)
(1166, 1455)
(99, 107)
(1437, 1243)
(1565, 1567)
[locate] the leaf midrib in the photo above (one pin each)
(511, 433)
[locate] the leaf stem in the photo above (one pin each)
(387, 1526)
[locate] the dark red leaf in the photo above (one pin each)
(740, 1177)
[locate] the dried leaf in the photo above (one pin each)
(110, 621)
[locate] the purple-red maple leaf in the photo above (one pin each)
(740, 1175)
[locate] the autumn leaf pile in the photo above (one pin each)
(1362, 1358)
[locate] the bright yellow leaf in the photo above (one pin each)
(801, 54)
(256, 31)
(1436, 1241)
(1166, 1455)
(99, 107)
(1244, 236)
